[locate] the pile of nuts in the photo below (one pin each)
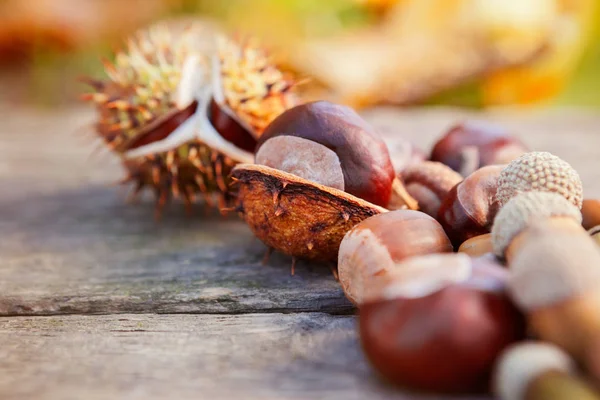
(323, 188)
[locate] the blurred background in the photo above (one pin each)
(474, 53)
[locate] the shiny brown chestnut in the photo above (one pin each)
(404, 153)
(440, 323)
(591, 213)
(428, 183)
(375, 246)
(469, 208)
(477, 246)
(471, 145)
(364, 157)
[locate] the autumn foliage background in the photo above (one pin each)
(45, 45)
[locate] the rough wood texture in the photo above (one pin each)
(70, 245)
(256, 356)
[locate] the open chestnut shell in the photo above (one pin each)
(447, 338)
(296, 216)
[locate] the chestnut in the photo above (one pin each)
(469, 208)
(363, 155)
(428, 183)
(539, 371)
(374, 246)
(440, 323)
(404, 153)
(471, 145)
(477, 246)
(590, 211)
(312, 164)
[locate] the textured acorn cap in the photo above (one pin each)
(553, 267)
(539, 171)
(521, 210)
(520, 364)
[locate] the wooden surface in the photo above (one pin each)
(70, 245)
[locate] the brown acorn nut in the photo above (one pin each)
(555, 278)
(364, 157)
(440, 323)
(477, 246)
(590, 211)
(542, 172)
(375, 246)
(296, 216)
(471, 145)
(469, 208)
(428, 183)
(539, 371)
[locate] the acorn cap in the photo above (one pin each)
(521, 363)
(554, 266)
(539, 171)
(521, 210)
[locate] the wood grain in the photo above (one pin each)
(70, 245)
(256, 356)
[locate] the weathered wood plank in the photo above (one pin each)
(255, 356)
(69, 244)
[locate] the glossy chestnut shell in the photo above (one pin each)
(446, 341)
(364, 157)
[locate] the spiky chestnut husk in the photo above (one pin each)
(298, 217)
(155, 103)
(542, 172)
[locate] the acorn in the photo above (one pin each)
(471, 145)
(374, 247)
(428, 183)
(315, 166)
(469, 208)
(439, 323)
(555, 278)
(513, 220)
(539, 371)
(180, 115)
(539, 171)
